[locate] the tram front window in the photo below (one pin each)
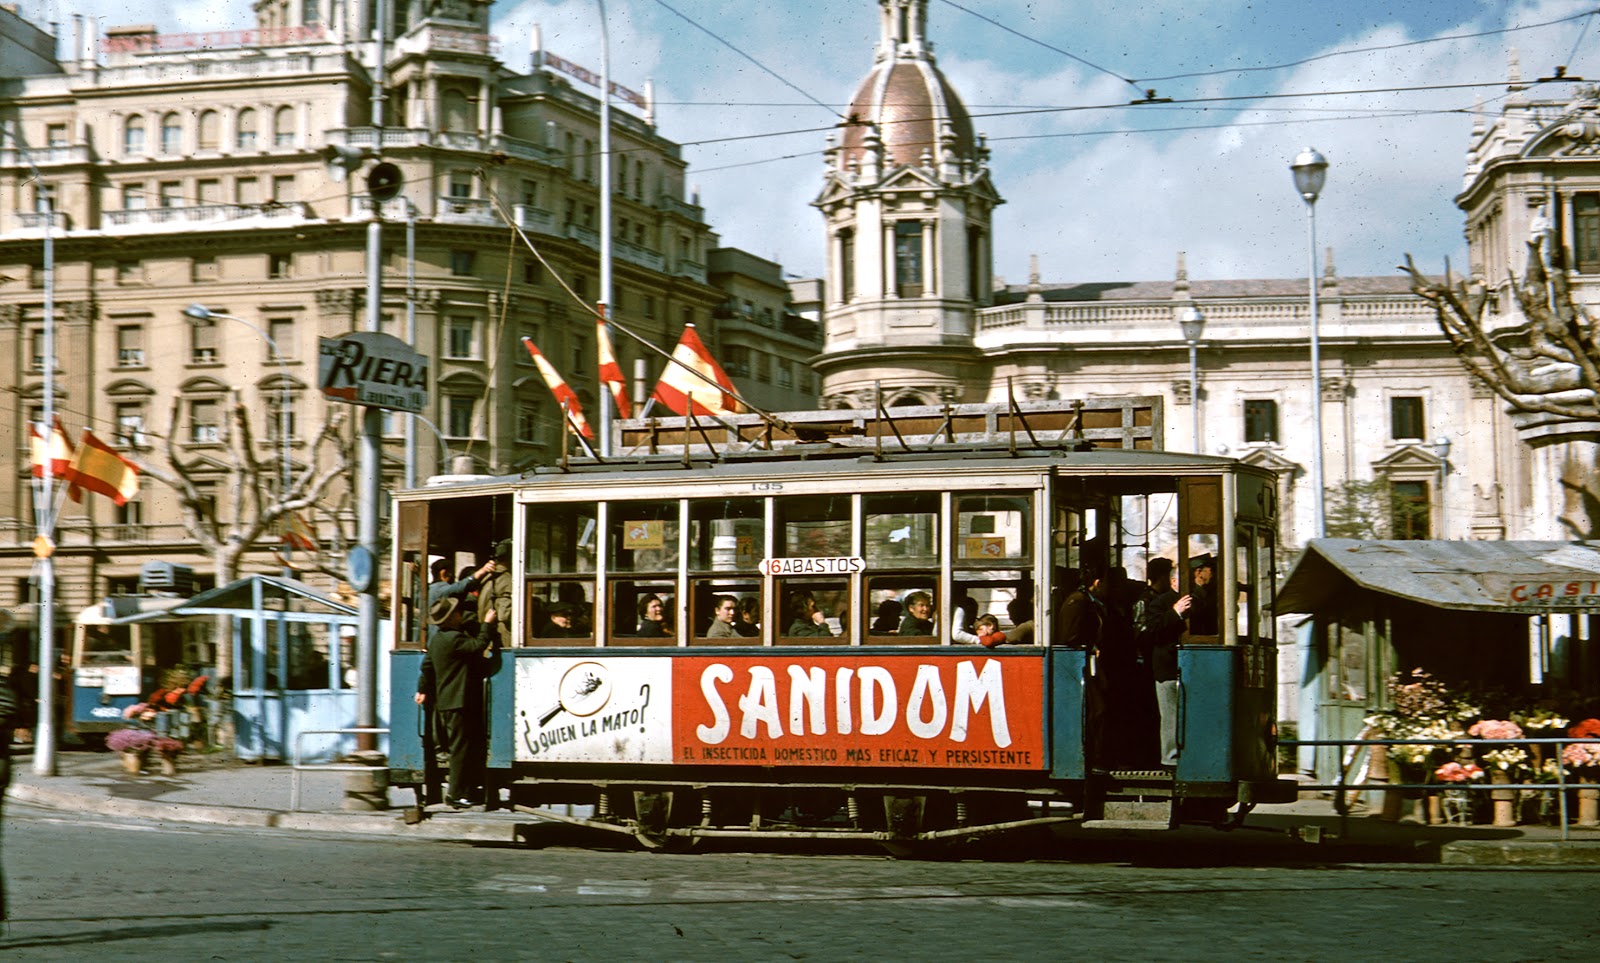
(107, 645)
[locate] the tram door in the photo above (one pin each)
(1080, 528)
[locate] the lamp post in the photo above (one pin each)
(1441, 447)
(1310, 171)
(603, 395)
(199, 312)
(1193, 322)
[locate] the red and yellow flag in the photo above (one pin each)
(97, 467)
(565, 396)
(57, 450)
(298, 533)
(708, 393)
(610, 371)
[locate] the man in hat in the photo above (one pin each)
(495, 593)
(1158, 624)
(561, 625)
(1203, 591)
(451, 683)
(442, 588)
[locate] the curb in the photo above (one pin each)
(1529, 853)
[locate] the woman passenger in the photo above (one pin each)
(748, 624)
(653, 618)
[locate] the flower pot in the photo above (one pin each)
(169, 765)
(1435, 809)
(1589, 806)
(1505, 800)
(133, 763)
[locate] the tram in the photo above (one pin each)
(841, 700)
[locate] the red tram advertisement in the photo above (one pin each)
(912, 626)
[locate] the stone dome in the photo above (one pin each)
(912, 105)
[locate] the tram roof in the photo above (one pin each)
(1485, 576)
(278, 594)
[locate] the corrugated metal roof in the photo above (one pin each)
(278, 594)
(1475, 576)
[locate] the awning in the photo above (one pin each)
(277, 594)
(1511, 577)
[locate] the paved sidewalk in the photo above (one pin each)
(218, 791)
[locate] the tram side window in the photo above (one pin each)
(994, 560)
(901, 548)
(1200, 521)
(559, 601)
(643, 541)
(726, 544)
(813, 526)
(815, 611)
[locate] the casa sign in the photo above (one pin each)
(373, 369)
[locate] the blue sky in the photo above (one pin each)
(1094, 192)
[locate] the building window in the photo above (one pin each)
(461, 263)
(588, 215)
(1586, 232)
(580, 355)
(205, 269)
(459, 410)
(908, 259)
(763, 365)
(133, 196)
(457, 112)
(130, 273)
(281, 330)
(36, 349)
(1405, 419)
(462, 337)
(580, 286)
(649, 307)
(206, 135)
(527, 423)
(1410, 509)
(208, 191)
(130, 424)
(170, 194)
(283, 126)
(280, 426)
(128, 522)
(133, 136)
(206, 498)
(283, 188)
(280, 265)
(44, 197)
(246, 136)
(588, 161)
(847, 265)
(204, 425)
(130, 345)
(785, 374)
(532, 272)
(55, 135)
(1260, 421)
(460, 183)
(202, 342)
(171, 134)
(246, 191)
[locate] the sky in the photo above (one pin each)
(1098, 189)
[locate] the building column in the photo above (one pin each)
(888, 265)
(930, 277)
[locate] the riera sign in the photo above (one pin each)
(373, 369)
(912, 711)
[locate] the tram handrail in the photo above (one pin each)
(1343, 786)
(296, 766)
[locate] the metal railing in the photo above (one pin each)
(297, 765)
(1344, 786)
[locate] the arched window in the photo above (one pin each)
(208, 130)
(283, 127)
(247, 129)
(133, 135)
(172, 134)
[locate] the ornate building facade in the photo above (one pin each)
(171, 170)
(907, 201)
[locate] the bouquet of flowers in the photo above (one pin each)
(1495, 729)
(1539, 718)
(1581, 754)
(131, 740)
(1458, 772)
(1587, 729)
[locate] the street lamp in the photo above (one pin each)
(1310, 171)
(1193, 322)
(200, 312)
(1441, 447)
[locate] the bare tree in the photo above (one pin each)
(257, 502)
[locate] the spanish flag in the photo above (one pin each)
(610, 371)
(58, 450)
(97, 467)
(565, 396)
(298, 533)
(704, 386)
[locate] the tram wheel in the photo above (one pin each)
(656, 812)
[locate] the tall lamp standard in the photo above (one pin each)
(1441, 447)
(1193, 322)
(1310, 171)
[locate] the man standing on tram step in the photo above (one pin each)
(451, 681)
(1203, 615)
(495, 595)
(442, 588)
(1158, 624)
(723, 617)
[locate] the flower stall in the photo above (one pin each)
(1500, 632)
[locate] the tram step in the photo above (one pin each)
(1138, 825)
(1146, 814)
(1140, 775)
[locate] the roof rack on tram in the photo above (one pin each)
(1133, 423)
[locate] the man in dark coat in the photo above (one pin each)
(494, 595)
(1158, 624)
(1203, 614)
(451, 681)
